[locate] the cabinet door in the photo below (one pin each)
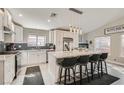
(59, 40)
(18, 34)
(41, 57)
(1, 21)
(5, 18)
(24, 58)
(9, 69)
(32, 58)
(1, 28)
(1, 35)
(1, 73)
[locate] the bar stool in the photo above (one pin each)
(67, 64)
(94, 60)
(102, 59)
(83, 61)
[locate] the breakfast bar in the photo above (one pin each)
(54, 57)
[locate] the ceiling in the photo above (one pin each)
(91, 19)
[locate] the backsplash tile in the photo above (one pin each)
(21, 46)
(2, 46)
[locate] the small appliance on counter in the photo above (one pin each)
(2, 47)
(10, 47)
(67, 44)
(83, 45)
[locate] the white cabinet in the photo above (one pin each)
(51, 36)
(58, 35)
(24, 58)
(30, 57)
(1, 35)
(1, 27)
(1, 72)
(7, 71)
(68, 34)
(1, 20)
(41, 57)
(18, 37)
(7, 19)
(59, 40)
(36, 57)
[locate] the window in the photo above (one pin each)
(102, 43)
(122, 45)
(41, 41)
(34, 40)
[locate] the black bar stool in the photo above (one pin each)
(67, 64)
(83, 61)
(102, 59)
(94, 59)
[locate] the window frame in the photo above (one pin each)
(103, 36)
(36, 45)
(28, 43)
(121, 46)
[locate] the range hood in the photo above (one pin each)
(8, 30)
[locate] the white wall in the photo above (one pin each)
(115, 39)
(28, 31)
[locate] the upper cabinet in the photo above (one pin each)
(56, 37)
(7, 19)
(1, 25)
(18, 36)
(9, 32)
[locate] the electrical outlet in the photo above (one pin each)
(20, 46)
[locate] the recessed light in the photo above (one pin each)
(49, 20)
(20, 15)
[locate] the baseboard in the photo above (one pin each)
(116, 63)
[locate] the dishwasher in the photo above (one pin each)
(17, 63)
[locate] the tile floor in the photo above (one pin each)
(113, 69)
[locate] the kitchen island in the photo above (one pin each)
(54, 57)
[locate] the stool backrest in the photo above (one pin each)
(83, 59)
(104, 56)
(69, 61)
(94, 57)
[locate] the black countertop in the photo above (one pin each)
(9, 52)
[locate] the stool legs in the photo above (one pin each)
(60, 71)
(101, 69)
(80, 74)
(98, 69)
(68, 74)
(100, 66)
(105, 67)
(65, 76)
(91, 70)
(74, 75)
(87, 73)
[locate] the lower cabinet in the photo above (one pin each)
(36, 57)
(32, 57)
(41, 57)
(7, 70)
(24, 58)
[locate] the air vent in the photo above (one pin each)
(53, 15)
(76, 11)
